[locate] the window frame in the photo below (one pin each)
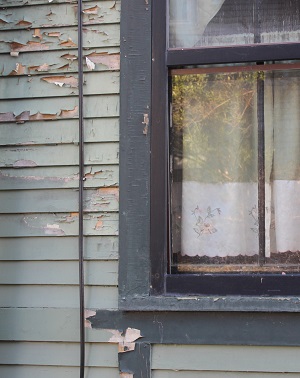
(144, 151)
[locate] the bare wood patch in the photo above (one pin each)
(112, 61)
(69, 81)
(19, 70)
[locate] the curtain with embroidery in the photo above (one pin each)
(215, 144)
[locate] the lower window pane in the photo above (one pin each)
(214, 164)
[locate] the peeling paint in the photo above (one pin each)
(88, 314)
(26, 116)
(4, 21)
(69, 113)
(24, 23)
(42, 68)
(69, 57)
(54, 34)
(99, 224)
(92, 10)
(53, 229)
(19, 70)
(90, 65)
(30, 46)
(146, 123)
(68, 43)
(37, 34)
(112, 61)
(126, 342)
(69, 81)
(126, 375)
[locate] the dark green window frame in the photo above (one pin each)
(143, 187)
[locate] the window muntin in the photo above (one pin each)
(218, 222)
(200, 23)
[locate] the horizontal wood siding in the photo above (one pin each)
(39, 157)
(217, 374)
(238, 359)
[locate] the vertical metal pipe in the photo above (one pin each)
(81, 182)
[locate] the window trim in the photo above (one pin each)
(137, 287)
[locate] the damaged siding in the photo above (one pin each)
(39, 183)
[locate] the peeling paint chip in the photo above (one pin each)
(69, 57)
(92, 10)
(53, 229)
(146, 123)
(70, 81)
(88, 314)
(126, 375)
(19, 70)
(24, 23)
(91, 65)
(126, 342)
(68, 43)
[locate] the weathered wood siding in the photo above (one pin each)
(212, 361)
(39, 293)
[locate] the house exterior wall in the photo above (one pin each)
(39, 293)
(39, 184)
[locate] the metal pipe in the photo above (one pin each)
(81, 188)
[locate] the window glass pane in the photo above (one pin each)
(282, 163)
(196, 23)
(214, 169)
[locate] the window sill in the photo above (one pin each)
(210, 303)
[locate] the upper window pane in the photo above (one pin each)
(200, 23)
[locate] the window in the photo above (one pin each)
(233, 163)
(223, 156)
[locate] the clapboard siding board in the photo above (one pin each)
(58, 177)
(58, 224)
(63, 62)
(22, 41)
(55, 371)
(21, 3)
(59, 132)
(226, 358)
(100, 106)
(58, 15)
(101, 273)
(63, 155)
(58, 296)
(58, 200)
(60, 354)
(24, 324)
(57, 248)
(218, 374)
(47, 86)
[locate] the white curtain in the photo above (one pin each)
(189, 18)
(219, 185)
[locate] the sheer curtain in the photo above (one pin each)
(219, 215)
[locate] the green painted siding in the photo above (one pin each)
(39, 315)
(221, 358)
